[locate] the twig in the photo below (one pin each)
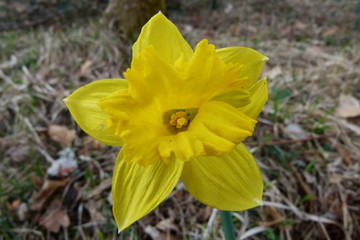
(32, 130)
(80, 224)
(253, 231)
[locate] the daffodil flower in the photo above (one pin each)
(179, 113)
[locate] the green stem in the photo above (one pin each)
(227, 223)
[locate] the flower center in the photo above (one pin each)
(179, 119)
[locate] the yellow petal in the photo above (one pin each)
(258, 97)
(82, 105)
(252, 60)
(237, 98)
(220, 127)
(139, 125)
(152, 78)
(182, 86)
(164, 36)
(206, 76)
(137, 190)
(232, 182)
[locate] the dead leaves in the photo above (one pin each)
(56, 198)
(344, 153)
(61, 135)
(348, 107)
(330, 32)
(20, 208)
(47, 189)
(64, 165)
(55, 217)
(14, 205)
(85, 67)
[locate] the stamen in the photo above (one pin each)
(179, 119)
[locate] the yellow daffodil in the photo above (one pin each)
(178, 114)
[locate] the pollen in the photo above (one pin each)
(179, 119)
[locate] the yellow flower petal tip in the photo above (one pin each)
(178, 114)
(259, 202)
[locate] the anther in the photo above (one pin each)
(179, 119)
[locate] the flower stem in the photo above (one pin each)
(227, 223)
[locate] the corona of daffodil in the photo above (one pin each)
(178, 113)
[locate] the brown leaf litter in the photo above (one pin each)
(55, 217)
(61, 135)
(306, 144)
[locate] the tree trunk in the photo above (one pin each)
(128, 16)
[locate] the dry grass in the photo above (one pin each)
(312, 177)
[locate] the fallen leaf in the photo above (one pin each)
(348, 107)
(22, 211)
(36, 180)
(330, 32)
(64, 165)
(61, 135)
(344, 153)
(14, 205)
(47, 189)
(55, 217)
(85, 67)
(295, 131)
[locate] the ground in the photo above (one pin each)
(306, 141)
